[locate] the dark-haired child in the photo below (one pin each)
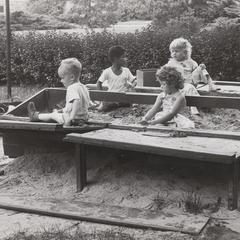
(117, 78)
(171, 102)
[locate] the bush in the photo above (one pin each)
(36, 56)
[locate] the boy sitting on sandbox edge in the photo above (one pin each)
(117, 77)
(75, 111)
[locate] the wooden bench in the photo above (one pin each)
(209, 147)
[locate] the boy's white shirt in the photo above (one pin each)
(116, 83)
(77, 91)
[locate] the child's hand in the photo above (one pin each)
(128, 85)
(144, 121)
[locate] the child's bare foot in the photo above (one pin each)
(32, 112)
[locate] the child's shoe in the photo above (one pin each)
(32, 112)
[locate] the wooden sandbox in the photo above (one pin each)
(18, 134)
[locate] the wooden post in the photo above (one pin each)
(81, 170)
(234, 184)
(8, 50)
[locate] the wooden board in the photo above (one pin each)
(8, 124)
(223, 90)
(188, 132)
(44, 100)
(38, 99)
(111, 215)
(191, 147)
(41, 126)
(150, 98)
(229, 83)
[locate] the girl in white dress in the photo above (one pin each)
(171, 102)
(181, 50)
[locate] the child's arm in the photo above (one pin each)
(99, 85)
(151, 113)
(102, 79)
(180, 102)
(75, 108)
(131, 80)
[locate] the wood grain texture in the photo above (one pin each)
(188, 132)
(192, 147)
(110, 215)
(150, 98)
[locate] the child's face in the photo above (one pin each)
(179, 54)
(121, 61)
(66, 78)
(167, 88)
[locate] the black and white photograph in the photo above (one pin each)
(119, 120)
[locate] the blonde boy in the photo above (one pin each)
(75, 111)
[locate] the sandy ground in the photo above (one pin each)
(127, 179)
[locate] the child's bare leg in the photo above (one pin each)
(44, 117)
(51, 117)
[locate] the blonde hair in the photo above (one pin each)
(183, 44)
(72, 66)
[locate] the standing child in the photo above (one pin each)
(77, 98)
(171, 102)
(117, 77)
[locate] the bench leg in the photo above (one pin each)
(81, 169)
(234, 185)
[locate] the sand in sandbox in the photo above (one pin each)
(121, 178)
(219, 119)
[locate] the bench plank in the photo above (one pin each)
(188, 132)
(192, 147)
(12, 124)
(150, 98)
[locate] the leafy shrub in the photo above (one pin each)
(26, 21)
(36, 56)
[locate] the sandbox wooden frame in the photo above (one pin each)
(56, 94)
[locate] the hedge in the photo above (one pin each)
(36, 56)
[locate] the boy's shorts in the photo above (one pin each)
(61, 118)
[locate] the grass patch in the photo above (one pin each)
(193, 202)
(159, 201)
(57, 234)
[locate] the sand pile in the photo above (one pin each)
(37, 174)
(221, 119)
(114, 178)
